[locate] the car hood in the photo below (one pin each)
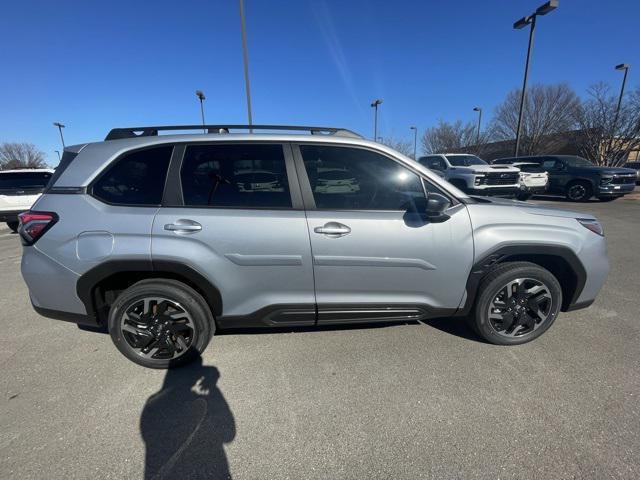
(487, 168)
(607, 170)
(533, 209)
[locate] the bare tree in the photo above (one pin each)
(449, 137)
(601, 138)
(404, 147)
(548, 111)
(20, 155)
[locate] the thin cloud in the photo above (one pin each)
(330, 36)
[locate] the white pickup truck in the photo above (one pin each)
(471, 174)
(19, 189)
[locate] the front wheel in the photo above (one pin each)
(579, 191)
(160, 323)
(517, 303)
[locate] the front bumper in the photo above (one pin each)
(508, 190)
(537, 189)
(615, 190)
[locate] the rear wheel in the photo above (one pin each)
(523, 196)
(579, 191)
(13, 226)
(516, 303)
(160, 323)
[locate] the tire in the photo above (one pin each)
(188, 334)
(523, 326)
(607, 199)
(522, 196)
(13, 226)
(579, 191)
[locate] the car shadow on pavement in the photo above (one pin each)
(186, 424)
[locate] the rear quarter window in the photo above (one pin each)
(137, 178)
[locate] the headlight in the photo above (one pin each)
(592, 225)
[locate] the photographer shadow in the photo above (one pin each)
(186, 424)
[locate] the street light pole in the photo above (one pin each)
(202, 98)
(58, 152)
(375, 104)
(479, 110)
(245, 56)
(625, 67)
(524, 21)
(415, 140)
(60, 127)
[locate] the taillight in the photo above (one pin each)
(34, 224)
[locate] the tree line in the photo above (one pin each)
(552, 113)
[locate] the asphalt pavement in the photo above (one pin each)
(416, 400)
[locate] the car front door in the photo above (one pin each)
(557, 174)
(233, 213)
(372, 259)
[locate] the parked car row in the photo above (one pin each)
(571, 176)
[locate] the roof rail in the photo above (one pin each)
(133, 132)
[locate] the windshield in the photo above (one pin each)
(465, 160)
(577, 162)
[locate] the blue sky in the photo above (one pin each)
(97, 65)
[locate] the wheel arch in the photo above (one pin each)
(561, 261)
(100, 286)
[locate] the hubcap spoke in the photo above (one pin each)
(520, 307)
(157, 328)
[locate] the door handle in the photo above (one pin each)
(183, 226)
(333, 230)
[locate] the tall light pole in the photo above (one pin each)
(58, 152)
(202, 98)
(479, 110)
(625, 67)
(60, 127)
(415, 140)
(245, 55)
(375, 104)
(523, 22)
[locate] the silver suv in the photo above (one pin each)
(164, 239)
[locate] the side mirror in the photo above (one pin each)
(432, 207)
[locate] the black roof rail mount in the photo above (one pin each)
(152, 131)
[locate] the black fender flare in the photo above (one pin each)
(86, 284)
(514, 252)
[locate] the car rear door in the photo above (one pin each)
(372, 260)
(248, 237)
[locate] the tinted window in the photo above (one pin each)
(136, 179)
(235, 176)
(465, 160)
(434, 163)
(504, 161)
(551, 164)
(632, 165)
(578, 162)
(530, 168)
(355, 179)
(26, 180)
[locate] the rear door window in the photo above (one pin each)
(32, 181)
(235, 176)
(137, 178)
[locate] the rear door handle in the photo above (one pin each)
(333, 230)
(183, 226)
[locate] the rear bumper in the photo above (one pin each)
(11, 215)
